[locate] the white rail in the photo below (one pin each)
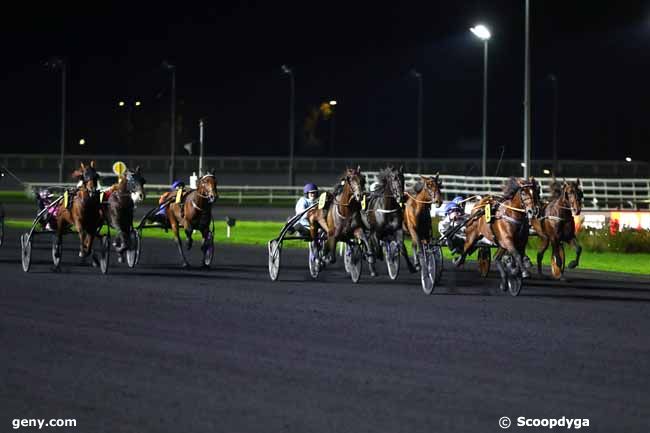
(598, 193)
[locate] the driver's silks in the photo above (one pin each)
(179, 194)
(488, 213)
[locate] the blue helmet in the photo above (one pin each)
(458, 200)
(310, 187)
(177, 184)
(451, 207)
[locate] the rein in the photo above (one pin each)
(418, 201)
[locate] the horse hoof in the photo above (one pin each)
(525, 274)
(573, 264)
(185, 265)
(502, 286)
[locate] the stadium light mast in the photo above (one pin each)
(483, 33)
(527, 163)
(292, 101)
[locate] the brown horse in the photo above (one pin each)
(83, 212)
(508, 227)
(124, 196)
(344, 215)
(417, 212)
(556, 225)
(194, 212)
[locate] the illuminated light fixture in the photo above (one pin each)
(523, 164)
(628, 159)
(121, 103)
(547, 171)
(82, 142)
(138, 103)
(332, 102)
(481, 32)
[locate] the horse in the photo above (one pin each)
(344, 220)
(556, 225)
(83, 212)
(508, 228)
(383, 216)
(417, 212)
(194, 212)
(127, 193)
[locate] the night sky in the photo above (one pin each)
(228, 58)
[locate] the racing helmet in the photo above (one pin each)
(177, 184)
(458, 200)
(451, 207)
(310, 187)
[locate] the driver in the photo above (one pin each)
(309, 198)
(454, 216)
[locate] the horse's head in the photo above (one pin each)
(572, 193)
(433, 186)
(356, 181)
(207, 186)
(393, 179)
(529, 192)
(88, 177)
(135, 185)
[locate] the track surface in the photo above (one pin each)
(159, 349)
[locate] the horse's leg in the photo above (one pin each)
(574, 243)
(471, 238)
(59, 239)
(512, 249)
(399, 237)
(540, 252)
(174, 226)
(415, 241)
(370, 254)
(499, 264)
(189, 229)
(556, 245)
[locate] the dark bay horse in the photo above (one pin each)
(83, 211)
(508, 227)
(417, 212)
(383, 215)
(194, 212)
(344, 217)
(556, 225)
(127, 193)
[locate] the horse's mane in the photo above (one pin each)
(554, 189)
(510, 188)
(382, 179)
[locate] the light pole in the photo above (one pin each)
(527, 167)
(58, 63)
(172, 133)
(418, 76)
(483, 33)
(292, 96)
(556, 107)
(130, 127)
(201, 126)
